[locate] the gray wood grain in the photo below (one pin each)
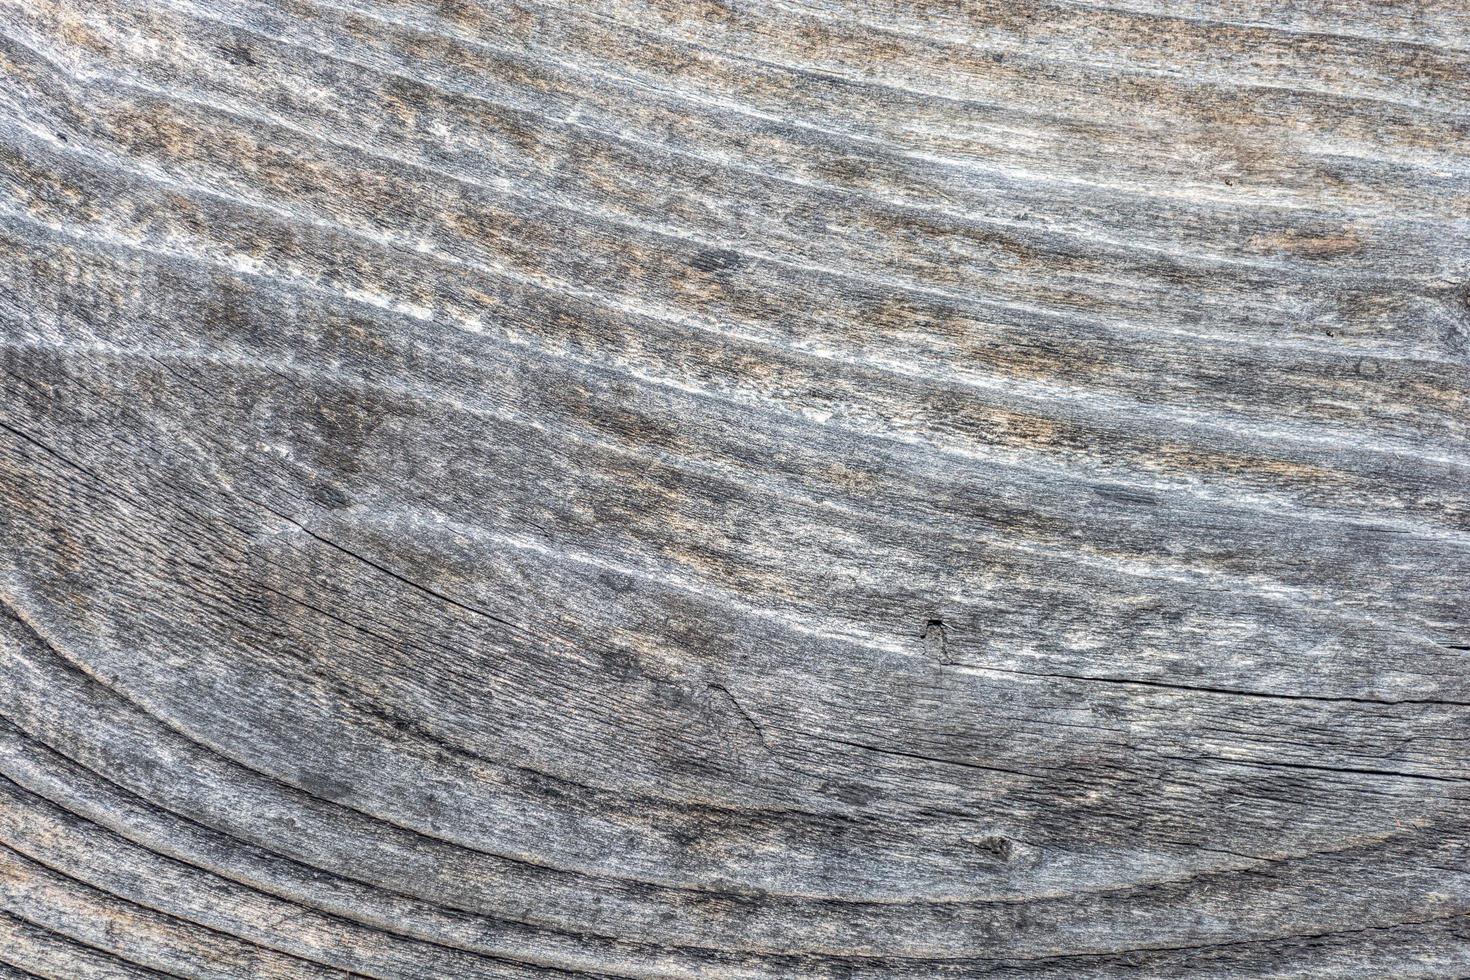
(704, 488)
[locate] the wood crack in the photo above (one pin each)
(811, 489)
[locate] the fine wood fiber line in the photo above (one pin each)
(732, 489)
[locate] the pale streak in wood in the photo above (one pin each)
(649, 488)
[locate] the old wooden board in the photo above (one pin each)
(661, 488)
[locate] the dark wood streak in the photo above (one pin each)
(705, 489)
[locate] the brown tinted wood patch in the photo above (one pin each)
(793, 489)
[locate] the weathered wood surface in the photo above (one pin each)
(817, 488)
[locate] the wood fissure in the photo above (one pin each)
(811, 489)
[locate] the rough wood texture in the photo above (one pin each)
(657, 488)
